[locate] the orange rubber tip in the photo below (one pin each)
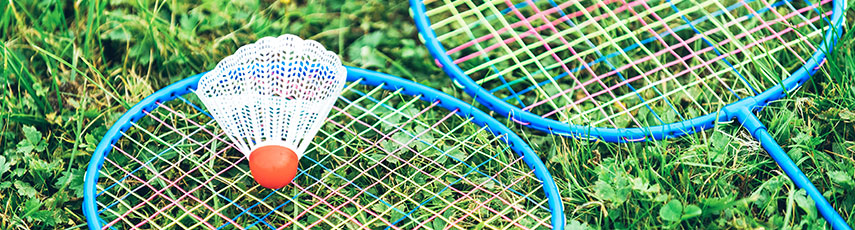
(273, 166)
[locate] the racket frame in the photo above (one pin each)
(366, 77)
(621, 135)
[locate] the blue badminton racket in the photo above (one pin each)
(634, 70)
(393, 154)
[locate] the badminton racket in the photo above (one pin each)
(624, 70)
(393, 154)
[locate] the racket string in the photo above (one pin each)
(172, 165)
(318, 182)
(584, 83)
(598, 78)
(180, 174)
(542, 70)
(589, 44)
(505, 46)
(707, 83)
(382, 103)
(671, 49)
(388, 136)
(242, 176)
(377, 181)
(159, 175)
(562, 63)
(183, 174)
(375, 145)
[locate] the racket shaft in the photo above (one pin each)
(758, 130)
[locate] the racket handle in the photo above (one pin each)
(758, 130)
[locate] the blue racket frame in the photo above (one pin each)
(367, 77)
(741, 110)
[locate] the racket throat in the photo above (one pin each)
(759, 131)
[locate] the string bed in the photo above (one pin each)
(384, 160)
(626, 64)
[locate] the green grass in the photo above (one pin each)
(71, 68)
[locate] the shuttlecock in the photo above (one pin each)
(271, 98)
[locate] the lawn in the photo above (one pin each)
(71, 68)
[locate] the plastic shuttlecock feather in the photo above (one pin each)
(271, 98)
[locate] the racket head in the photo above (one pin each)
(132, 181)
(531, 37)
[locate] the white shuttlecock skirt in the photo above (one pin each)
(277, 91)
